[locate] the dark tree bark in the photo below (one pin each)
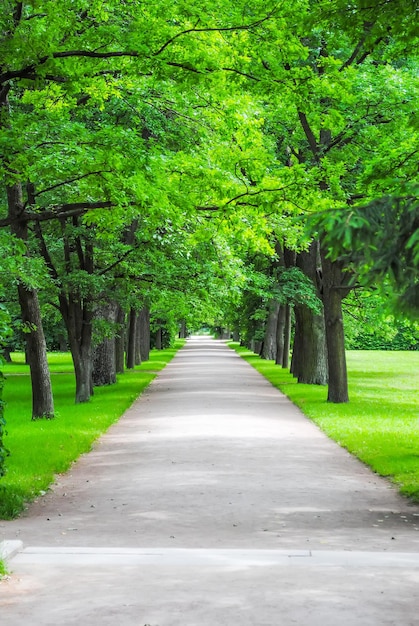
(287, 337)
(270, 337)
(137, 348)
(280, 335)
(144, 324)
(309, 357)
(120, 341)
(290, 258)
(62, 343)
(5, 353)
(36, 350)
(132, 323)
(77, 309)
(182, 331)
(104, 370)
(334, 290)
(256, 346)
(159, 339)
(334, 285)
(78, 318)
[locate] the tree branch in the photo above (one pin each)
(309, 134)
(29, 71)
(214, 29)
(72, 180)
(66, 210)
(17, 13)
(44, 251)
(232, 69)
(367, 29)
(121, 258)
(214, 208)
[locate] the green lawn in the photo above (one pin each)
(380, 424)
(40, 449)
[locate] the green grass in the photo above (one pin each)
(380, 424)
(40, 449)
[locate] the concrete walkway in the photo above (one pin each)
(214, 502)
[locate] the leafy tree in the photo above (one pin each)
(136, 126)
(380, 242)
(330, 76)
(59, 97)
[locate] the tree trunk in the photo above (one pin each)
(104, 371)
(159, 339)
(287, 337)
(36, 349)
(256, 346)
(42, 399)
(120, 341)
(131, 339)
(333, 293)
(62, 343)
(182, 330)
(82, 359)
(137, 348)
(5, 354)
(78, 319)
(269, 341)
(144, 323)
(309, 358)
(280, 335)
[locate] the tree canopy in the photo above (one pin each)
(168, 157)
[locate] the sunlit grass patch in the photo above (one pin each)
(380, 424)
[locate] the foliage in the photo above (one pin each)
(379, 426)
(165, 146)
(294, 287)
(380, 241)
(370, 323)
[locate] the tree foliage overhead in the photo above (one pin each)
(152, 150)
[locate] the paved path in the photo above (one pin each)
(214, 502)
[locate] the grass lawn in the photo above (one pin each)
(40, 449)
(380, 424)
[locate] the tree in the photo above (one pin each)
(66, 86)
(379, 241)
(329, 93)
(226, 123)
(309, 356)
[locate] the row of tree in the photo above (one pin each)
(231, 162)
